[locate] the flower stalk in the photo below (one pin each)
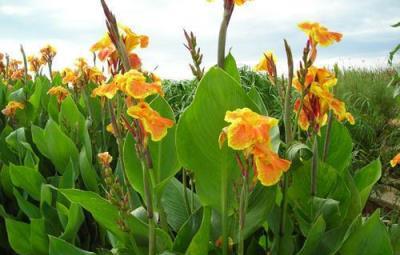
(314, 166)
(228, 10)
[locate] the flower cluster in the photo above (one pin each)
(314, 84)
(106, 50)
(59, 92)
(250, 132)
(35, 63)
(318, 100)
(267, 64)
(47, 54)
(81, 75)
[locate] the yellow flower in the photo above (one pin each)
(104, 158)
(60, 92)
(69, 76)
(395, 161)
(267, 63)
(319, 34)
(11, 108)
(151, 120)
(318, 99)
(93, 74)
(250, 133)
(48, 52)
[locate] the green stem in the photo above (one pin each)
(228, 9)
(242, 215)
(149, 204)
(25, 64)
(225, 230)
(184, 183)
(327, 136)
(314, 166)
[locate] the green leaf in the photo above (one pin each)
(188, 230)
(395, 238)
(31, 210)
(19, 236)
(197, 136)
(27, 179)
(173, 201)
(257, 99)
(313, 238)
(365, 178)
(340, 146)
(61, 247)
(56, 145)
(370, 238)
(88, 173)
(38, 239)
(231, 68)
(164, 156)
(75, 219)
(199, 244)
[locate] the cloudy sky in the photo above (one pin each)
(74, 25)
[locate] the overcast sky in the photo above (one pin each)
(74, 25)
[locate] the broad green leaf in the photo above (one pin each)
(19, 236)
(27, 179)
(231, 68)
(395, 238)
(39, 239)
(313, 238)
(164, 157)
(75, 219)
(340, 146)
(199, 243)
(56, 145)
(60, 247)
(6, 154)
(107, 215)
(198, 130)
(257, 99)
(88, 173)
(173, 201)
(17, 142)
(370, 238)
(365, 178)
(31, 210)
(187, 231)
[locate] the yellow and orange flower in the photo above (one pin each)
(318, 100)
(250, 133)
(93, 74)
(104, 158)
(319, 34)
(267, 64)
(34, 64)
(395, 161)
(151, 120)
(137, 87)
(107, 50)
(12, 107)
(106, 90)
(48, 52)
(60, 92)
(69, 76)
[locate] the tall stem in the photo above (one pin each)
(149, 203)
(228, 9)
(314, 166)
(25, 64)
(327, 136)
(242, 214)
(288, 139)
(225, 230)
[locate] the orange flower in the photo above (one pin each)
(319, 34)
(69, 76)
(269, 167)
(93, 74)
(11, 108)
(104, 158)
(249, 132)
(247, 128)
(135, 85)
(60, 92)
(151, 120)
(267, 63)
(395, 161)
(318, 100)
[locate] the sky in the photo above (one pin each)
(73, 26)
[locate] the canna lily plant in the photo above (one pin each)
(93, 160)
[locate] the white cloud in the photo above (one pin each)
(255, 27)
